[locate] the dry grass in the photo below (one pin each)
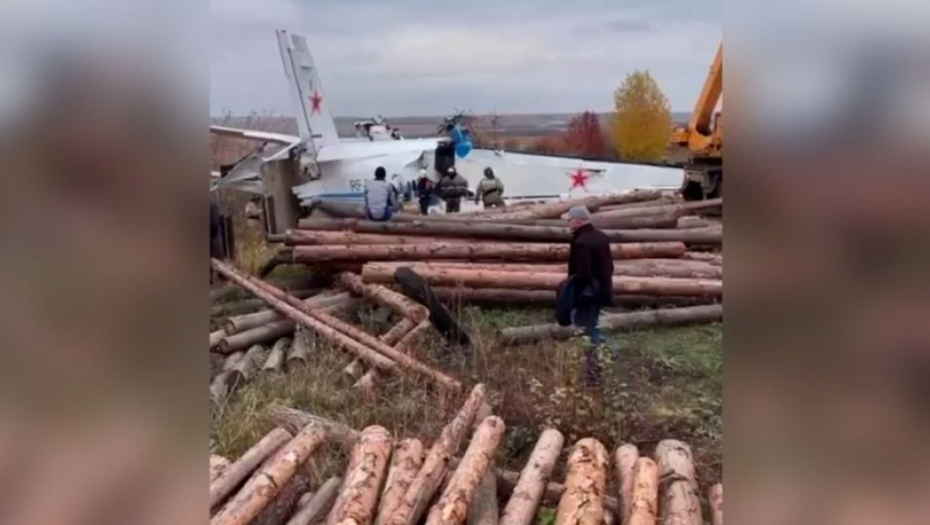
(664, 384)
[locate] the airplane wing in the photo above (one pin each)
(252, 134)
(369, 149)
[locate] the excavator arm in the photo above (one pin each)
(703, 136)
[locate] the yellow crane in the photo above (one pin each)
(703, 136)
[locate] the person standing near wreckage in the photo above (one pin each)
(589, 286)
(451, 189)
(490, 190)
(380, 197)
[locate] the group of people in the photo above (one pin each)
(383, 199)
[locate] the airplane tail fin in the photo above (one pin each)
(313, 117)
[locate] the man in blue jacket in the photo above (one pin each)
(590, 270)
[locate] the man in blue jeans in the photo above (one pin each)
(591, 268)
(380, 197)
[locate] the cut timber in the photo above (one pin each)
(556, 209)
(716, 504)
(623, 267)
(502, 296)
(243, 467)
(274, 330)
(613, 322)
(315, 238)
(319, 505)
(300, 349)
(265, 484)
(474, 251)
(434, 468)
(529, 490)
(247, 306)
(583, 500)
(218, 465)
(715, 259)
(275, 361)
(216, 336)
(452, 507)
(625, 457)
(507, 480)
(673, 209)
(550, 281)
(368, 463)
(398, 331)
(405, 463)
(484, 506)
(294, 420)
(322, 327)
(367, 381)
(680, 502)
(241, 323)
(357, 335)
(644, 504)
(361, 226)
(283, 505)
(399, 303)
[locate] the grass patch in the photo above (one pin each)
(665, 383)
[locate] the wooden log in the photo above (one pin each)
(302, 281)
(284, 504)
(319, 505)
(484, 506)
(679, 498)
(218, 465)
(283, 302)
(302, 502)
(247, 306)
(400, 303)
(293, 420)
(645, 494)
(474, 251)
(661, 201)
(216, 336)
(245, 368)
(274, 330)
(320, 323)
(300, 349)
(625, 457)
(367, 382)
(242, 323)
(507, 480)
(626, 321)
(398, 331)
(689, 221)
(649, 221)
(435, 465)
(275, 361)
(622, 268)
(265, 484)
(674, 209)
(243, 467)
(354, 369)
(405, 463)
(583, 500)
(715, 496)
(528, 492)
(317, 238)
(368, 463)
(548, 297)
(557, 209)
(715, 259)
(548, 281)
(453, 506)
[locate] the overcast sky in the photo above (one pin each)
(423, 57)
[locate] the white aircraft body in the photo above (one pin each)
(338, 169)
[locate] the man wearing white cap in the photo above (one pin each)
(591, 270)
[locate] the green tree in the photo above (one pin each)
(642, 122)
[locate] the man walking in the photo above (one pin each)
(490, 190)
(451, 189)
(380, 197)
(590, 271)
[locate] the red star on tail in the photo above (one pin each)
(579, 179)
(317, 101)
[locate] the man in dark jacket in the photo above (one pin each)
(591, 269)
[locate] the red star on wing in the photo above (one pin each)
(317, 101)
(579, 179)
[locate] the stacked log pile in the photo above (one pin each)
(388, 482)
(660, 248)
